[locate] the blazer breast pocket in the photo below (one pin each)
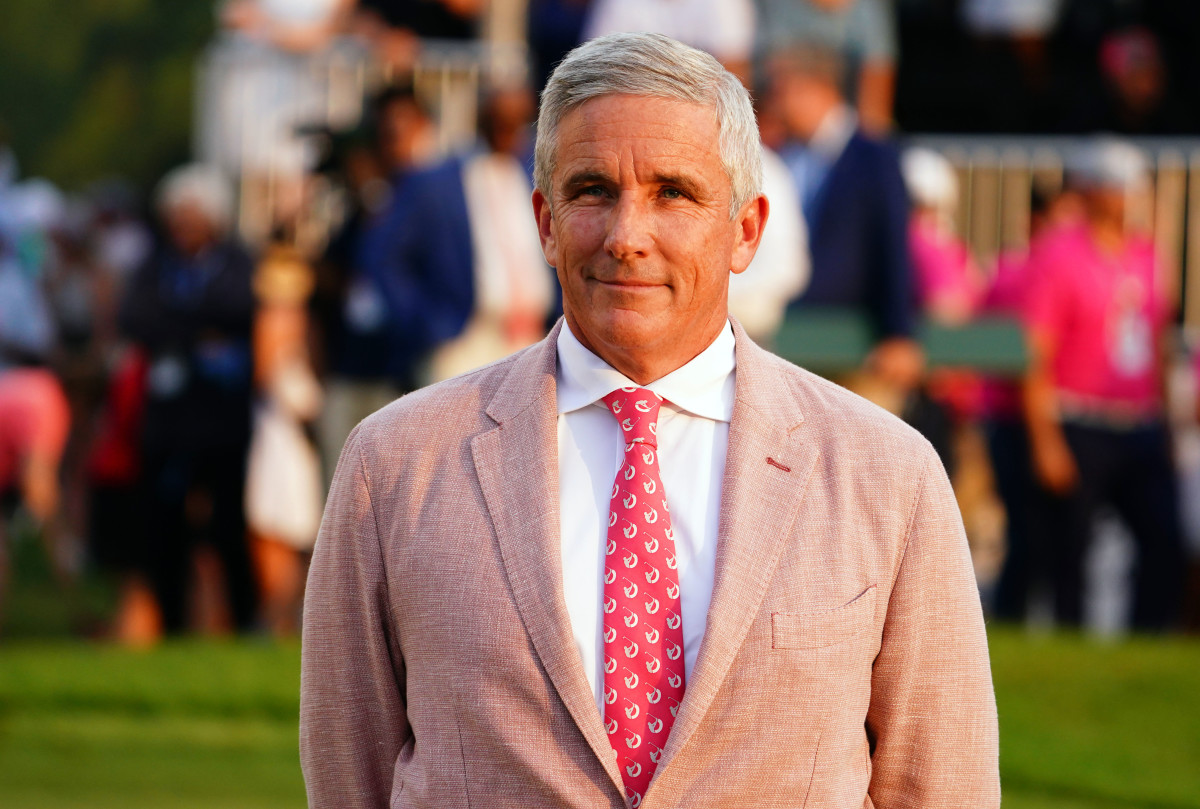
(815, 630)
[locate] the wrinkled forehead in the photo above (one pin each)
(644, 123)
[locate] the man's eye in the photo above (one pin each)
(672, 193)
(592, 191)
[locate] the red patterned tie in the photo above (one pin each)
(643, 628)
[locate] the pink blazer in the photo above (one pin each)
(844, 663)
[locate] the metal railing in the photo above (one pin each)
(996, 175)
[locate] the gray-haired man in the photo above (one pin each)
(644, 563)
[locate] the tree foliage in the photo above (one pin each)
(95, 88)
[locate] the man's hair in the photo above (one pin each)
(652, 65)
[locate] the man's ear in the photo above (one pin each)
(545, 225)
(749, 223)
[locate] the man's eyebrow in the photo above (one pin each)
(580, 179)
(683, 182)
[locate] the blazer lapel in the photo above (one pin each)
(517, 465)
(766, 471)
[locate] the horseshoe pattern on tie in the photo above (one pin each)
(641, 536)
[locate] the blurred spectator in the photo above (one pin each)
(1012, 59)
(861, 32)
(395, 28)
(1011, 18)
(554, 28)
(363, 372)
(1026, 569)
(457, 256)
(759, 296)
(120, 240)
(284, 491)
(949, 284)
(116, 524)
(34, 422)
(83, 302)
(274, 75)
(1097, 316)
(854, 202)
(724, 28)
(1134, 96)
(26, 326)
(190, 310)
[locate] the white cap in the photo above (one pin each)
(1108, 163)
(202, 185)
(929, 177)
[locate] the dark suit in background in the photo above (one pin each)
(858, 235)
(193, 315)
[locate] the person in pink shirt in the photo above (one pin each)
(949, 283)
(34, 422)
(1096, 315)
(1026, 566)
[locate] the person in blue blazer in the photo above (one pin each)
(855, 204)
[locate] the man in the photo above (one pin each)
(853, 198)
(456, 256)
(514, 604)
(1099, 322)
(190, 309)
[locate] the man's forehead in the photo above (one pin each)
(637, 103)
(670, 132)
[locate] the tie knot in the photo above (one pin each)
(636, 410)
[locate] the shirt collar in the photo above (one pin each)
(702, 387)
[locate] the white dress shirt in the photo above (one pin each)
(693, 439)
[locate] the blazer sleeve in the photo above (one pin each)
(932, 719)
(353, 720)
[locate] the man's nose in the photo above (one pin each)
(629, 229)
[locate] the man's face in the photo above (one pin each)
(637, 226)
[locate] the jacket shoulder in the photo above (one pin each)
(844, 420)
(436, 411)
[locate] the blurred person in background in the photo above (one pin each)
(34, 414)
(456, 257)
(553, 28)
(1098, 316)
(1134, 94)
(1025, 572)
(83, 299)
(362, 373)
(27, 334)
(723, 28)
(190, 309)
(1010, 63)
(120, 240)
(275, 70)
(854, 202)
(396, 28)
(861, 32)
(284, 489)
(949, 284)
(116, 522)
(34, 422)
(780, 270)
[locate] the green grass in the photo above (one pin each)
(1104, 725)
(189, 724)
(1084, 725)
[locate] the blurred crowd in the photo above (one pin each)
(177, 376)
